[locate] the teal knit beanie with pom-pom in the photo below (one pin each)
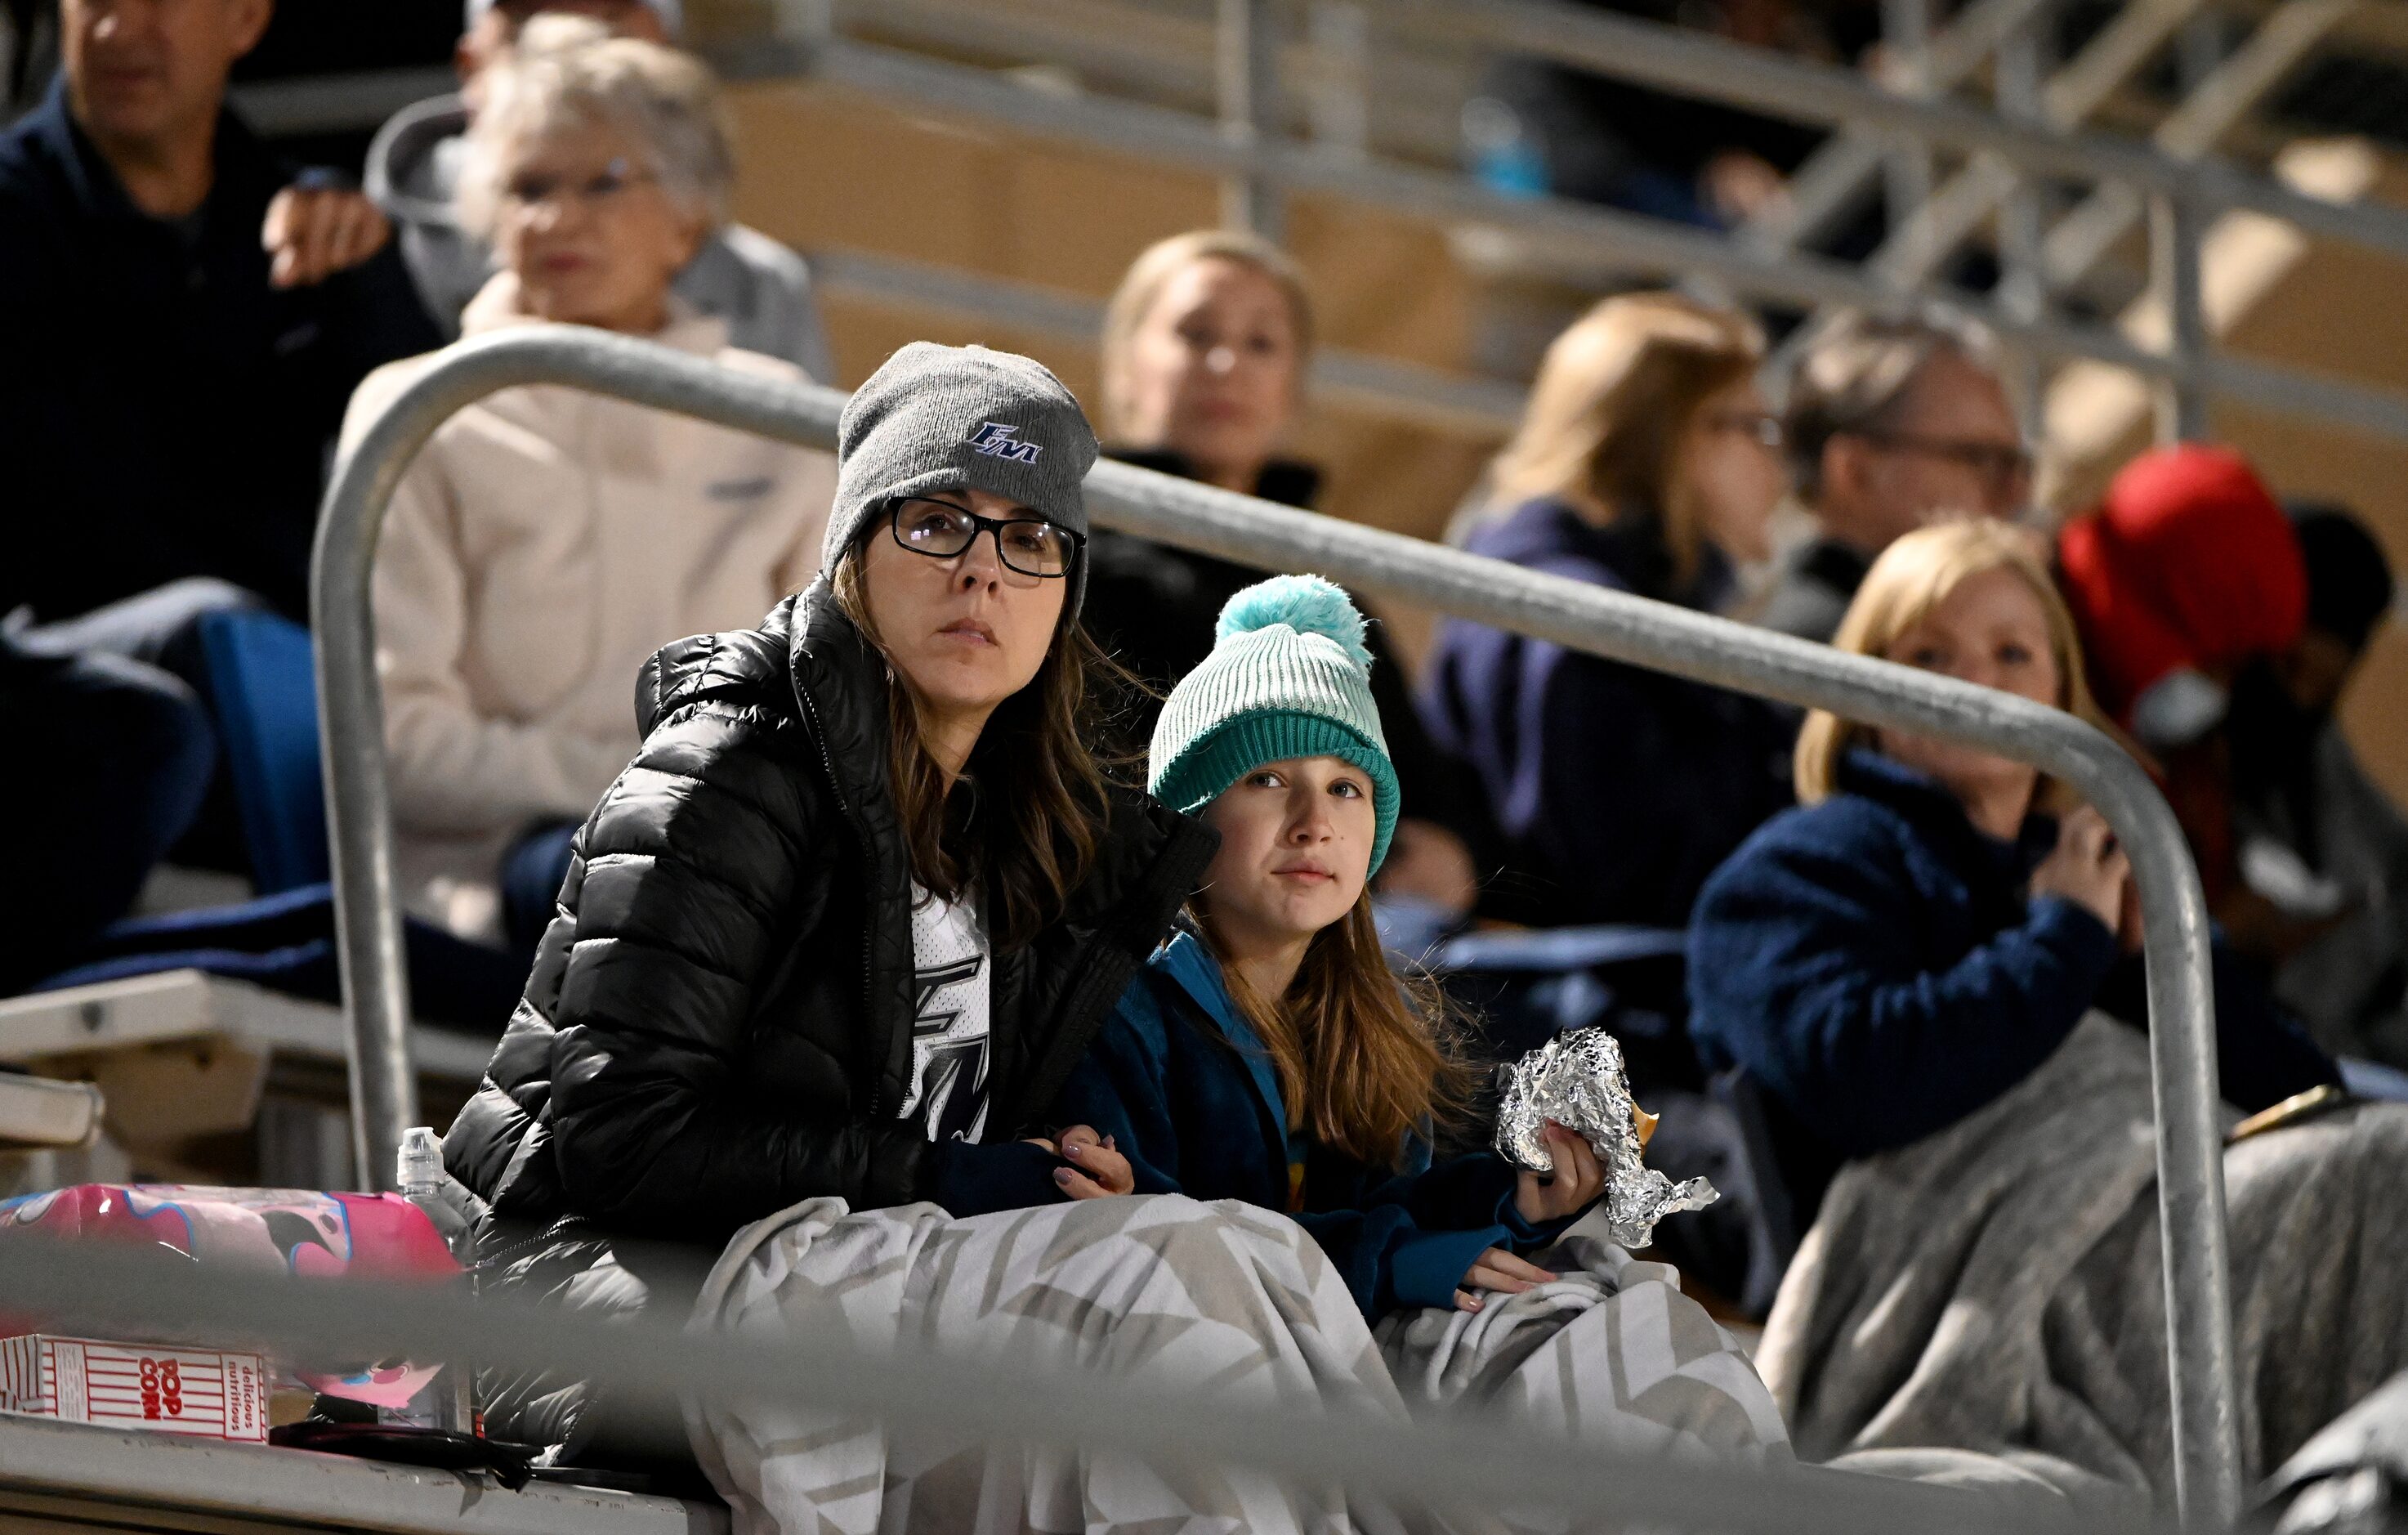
(1288, 676)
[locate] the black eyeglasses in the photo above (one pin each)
(2002, 467)
(943, 531)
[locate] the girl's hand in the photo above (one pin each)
(1096, 1170)
(1500, 1270)
(1572, 1187)
(2087, 867)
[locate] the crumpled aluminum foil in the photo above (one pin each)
(1577, 1079)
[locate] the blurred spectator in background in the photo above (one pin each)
(2322, 852)
(2187, 571)
(760, 288)
(1921, 967)
(547, 540)
(1541, 127)
(1647, 463)
(170, 387)
(1205, 350)
(1891, 421)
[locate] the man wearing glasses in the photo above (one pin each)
(1892, 420)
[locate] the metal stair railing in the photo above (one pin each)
(2182, 1037)
(1827, 185)
(1592, 241)
(2211, 110)
(1926, 241)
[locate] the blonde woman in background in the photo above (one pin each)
(1647, 463)
(1205, 346)
(548, 541)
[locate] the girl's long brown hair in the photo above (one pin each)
(1364, 1056)
(1040, 814)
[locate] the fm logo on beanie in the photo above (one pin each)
(995, 439)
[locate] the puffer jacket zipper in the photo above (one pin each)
(844, 808)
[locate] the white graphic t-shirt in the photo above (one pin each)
(948, 1037)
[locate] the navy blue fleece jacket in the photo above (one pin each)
(1182, 1084)
(1874, 963)
(1617, 789)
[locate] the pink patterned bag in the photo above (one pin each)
(297, 1231)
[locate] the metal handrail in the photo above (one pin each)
(1620, 627)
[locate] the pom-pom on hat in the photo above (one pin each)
(1288, 676)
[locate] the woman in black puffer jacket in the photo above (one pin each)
(853, 914)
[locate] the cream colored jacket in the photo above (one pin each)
(541, 547)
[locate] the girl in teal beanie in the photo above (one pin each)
(1275, 1010)
(1268, 1054)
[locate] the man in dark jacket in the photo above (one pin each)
(169, 391)
(2323, 852)
(1892, 420)
(165, 407)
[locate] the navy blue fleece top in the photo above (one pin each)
(1617, 789)
(1874, 963)
(1182, 1084)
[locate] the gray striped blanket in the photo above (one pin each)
(1164, 1291)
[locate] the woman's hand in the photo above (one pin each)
(1500, 1270)
(1572, 1187)
(1096, 1170)
(2086, 868)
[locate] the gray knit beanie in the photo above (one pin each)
(1289, 677)
(936, 418)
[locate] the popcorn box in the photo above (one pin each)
(201, 1392)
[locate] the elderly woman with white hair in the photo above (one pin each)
(547, 540)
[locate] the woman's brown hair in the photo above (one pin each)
(1914, 577)
(1133, 300)
(1032, 831)
(1612, 409)
(1364, 1056)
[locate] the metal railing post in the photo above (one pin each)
(1248, 44)
(2023, 288)
(1906, 172)
(1613, 624)
(2175, 236)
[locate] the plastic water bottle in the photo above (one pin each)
(418, 1168)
